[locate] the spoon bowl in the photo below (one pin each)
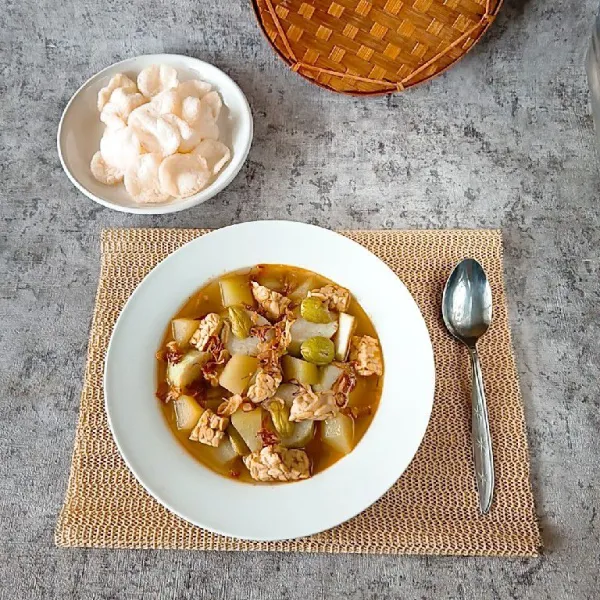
(467, 302)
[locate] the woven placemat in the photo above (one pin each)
(372, 47)
(432, 509)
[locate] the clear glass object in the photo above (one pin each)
(592, 65)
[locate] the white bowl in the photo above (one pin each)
(80, 130)
(269, 512)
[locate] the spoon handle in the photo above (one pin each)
(482, 442)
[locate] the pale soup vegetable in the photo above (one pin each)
(270, 374)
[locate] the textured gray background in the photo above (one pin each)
(502, 140)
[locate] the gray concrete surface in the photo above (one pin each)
(502, 140)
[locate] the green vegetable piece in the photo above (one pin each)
(237, 441)
(318, 350)
(183, 330)
(238, 372)
(187, 412)
(187, 370)
(248, 424)
(338, 433)
(240, 322)
(235, 291)
(224, 454)
(296, 369)
(303, 433)
(329, 375)
(280, 415)
(313, 310)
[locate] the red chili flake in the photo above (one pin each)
(162, 392)
(344, 384)
(209, 368)
(269, 361)
(290, 282)
(214, 344)
(267, 437)
(223, 357)
(211, 372)
(260, 331)
(357, 411)
(173, 352)
(233, 473)
(282, 336)
(197, 390)
(341, 400)
(219, 354)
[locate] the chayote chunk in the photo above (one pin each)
(235, 290)
(237, 441)
(298, 370)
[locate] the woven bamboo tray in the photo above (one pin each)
(373, 47)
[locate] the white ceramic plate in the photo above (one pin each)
(291, 510)
(80, 130)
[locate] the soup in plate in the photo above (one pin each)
(270, 374)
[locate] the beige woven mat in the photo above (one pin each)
(432, 509)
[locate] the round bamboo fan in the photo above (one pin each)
(371, 47)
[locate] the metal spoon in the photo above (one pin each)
(467, 312)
